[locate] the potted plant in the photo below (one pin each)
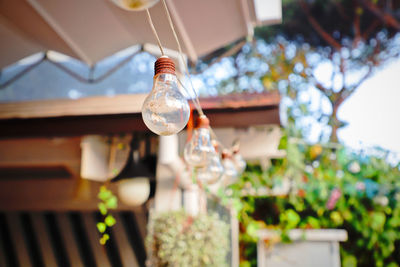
(177, 238)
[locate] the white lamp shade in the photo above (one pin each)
(135, 191)
(94, 161)
(135, 5)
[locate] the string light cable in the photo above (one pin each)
(154, 31)
(196, 100)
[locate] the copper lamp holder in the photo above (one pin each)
(202, 122)
(164, 65)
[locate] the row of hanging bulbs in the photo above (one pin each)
(210, 164)
(166, 111)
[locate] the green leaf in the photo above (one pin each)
(313, 222)
(378, 220)
(104, 194)
(102, 208)
(110, 220)
(101, 227)
(291, 218)
(349, 261)
(252, 229)
(112, 202)
(237, 204)
(245, 264)
(104, 238)
(336, 218)
(392, 264)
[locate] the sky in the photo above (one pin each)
(373, 111)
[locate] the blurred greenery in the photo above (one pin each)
(330, 187)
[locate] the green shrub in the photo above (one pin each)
(331, 188)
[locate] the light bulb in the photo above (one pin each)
(135, 191)
(239, 162)
(165, 110)
(199, 150)
(230, 174)
(135, 5)
(212, 172)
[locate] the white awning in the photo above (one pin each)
(91, 30)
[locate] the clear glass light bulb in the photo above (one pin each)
(199, 150)
(230, 174)
(240, 163)
(165, 111)
(212, 172)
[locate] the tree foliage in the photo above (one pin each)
(355, 37)
(330, 188)
(351, 39)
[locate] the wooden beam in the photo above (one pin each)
(41, 152)
(123, 104)
(122, 114)
(53, 195)
(128, 123)
(100, 105)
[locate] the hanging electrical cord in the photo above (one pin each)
(196, 100)
(171, 24)
(154, 31)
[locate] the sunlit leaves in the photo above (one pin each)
(110, 220)
(101, 227)
(290, 219)
(368, 205)
(349, 261)
(108, 202)
(377, 220)
(103, 240)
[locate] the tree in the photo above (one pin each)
(352, 37)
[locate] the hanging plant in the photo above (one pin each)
(108, 201)
(179, 239)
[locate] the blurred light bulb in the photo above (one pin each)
(134, 5)
(230, 174)
(199, 150)
(239, 162)
(134, 192)
(165, 110)
(212, 172)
